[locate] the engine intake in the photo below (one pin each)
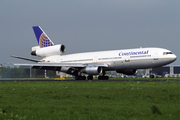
(92, 70)
(48, 51)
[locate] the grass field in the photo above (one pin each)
(102, 100)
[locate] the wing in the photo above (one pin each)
(42, 64)
(69, 68)
(51, 65)
(57, 66)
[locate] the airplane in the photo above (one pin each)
(125, 61)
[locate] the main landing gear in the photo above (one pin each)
(90, 77)
(151, 74)
(103, 77)
(80, 78)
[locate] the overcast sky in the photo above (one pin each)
(89, 25)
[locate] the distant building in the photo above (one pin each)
(1, 65)
(167, 70)
(35, 73)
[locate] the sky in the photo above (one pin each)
(88, 25)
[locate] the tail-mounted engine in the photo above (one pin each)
(48, 51)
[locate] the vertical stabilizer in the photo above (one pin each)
(42, 39)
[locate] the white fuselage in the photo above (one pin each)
(139, 58)
(125, 61)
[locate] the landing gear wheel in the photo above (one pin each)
(103, 78)
(151, 76)
(76, 78)
(90, 77)
(80, 78)
(83, 77)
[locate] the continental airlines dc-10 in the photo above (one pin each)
(125, 61)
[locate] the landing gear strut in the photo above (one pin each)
(151, 75)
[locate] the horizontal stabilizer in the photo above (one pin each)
(29, 59)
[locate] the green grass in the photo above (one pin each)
(40, 100)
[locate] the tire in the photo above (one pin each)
(151, 76)
(103, 78)
(90, 77)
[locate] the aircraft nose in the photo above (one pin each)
(174, 57)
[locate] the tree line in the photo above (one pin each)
(9, 72)
(19, 72)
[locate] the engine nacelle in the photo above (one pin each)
(48, 51)
(127, 72)
(92, 70)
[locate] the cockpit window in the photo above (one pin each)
(166, 53)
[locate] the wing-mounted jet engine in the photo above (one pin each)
(92, 70)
